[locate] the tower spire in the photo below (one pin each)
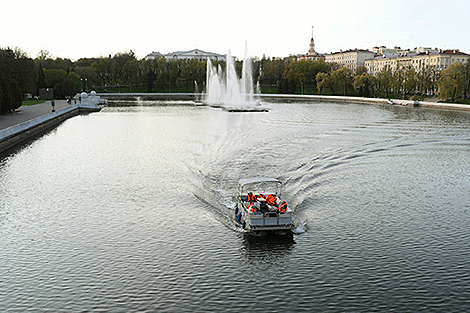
(311, 51)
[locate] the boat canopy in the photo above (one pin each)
(259, 184)
(251, 180)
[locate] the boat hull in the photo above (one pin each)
(263, 222)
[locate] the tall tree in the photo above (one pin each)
(466, 74)
(6, 101)
(342, 79)
(385, 78)
(364, 83)
(452, 82)
(324, 82)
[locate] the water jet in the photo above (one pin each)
(225, 90)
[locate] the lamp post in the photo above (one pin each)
(84, 85)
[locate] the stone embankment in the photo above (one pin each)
(25, 130)
(198, 96)
(408, 103)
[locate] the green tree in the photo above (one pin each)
(41, 77)
(66, 88)
(1, 96)
(384, 80)
(452, 82)
(303, 73)
(342, 79)
(194, 71)
(6, 101)
(398, 79)
(466, 74)
(122, 68)
(410, 82)
(365, 84)
(272, 71)
(361, 70)
(15, 64)
(293, 77)
(324, 82)
(16, 95)
(54, 77)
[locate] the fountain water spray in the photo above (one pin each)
(226, 90)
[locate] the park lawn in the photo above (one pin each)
(32, 102)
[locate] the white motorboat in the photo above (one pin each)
(260, 207)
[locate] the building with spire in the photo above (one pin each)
(311, 54)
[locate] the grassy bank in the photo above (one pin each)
(32, 102)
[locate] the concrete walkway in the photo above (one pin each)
(26, 113)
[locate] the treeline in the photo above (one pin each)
(20, 75)
(15, 78)
(123, 72)
(318, 77)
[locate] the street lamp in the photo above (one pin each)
(86, 84)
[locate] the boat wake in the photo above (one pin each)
(300, 229)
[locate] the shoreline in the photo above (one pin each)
(26, 130)
(23, 131)
(198, 96)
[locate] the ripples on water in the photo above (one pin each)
(129, 210)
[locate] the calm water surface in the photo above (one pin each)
(129, 210)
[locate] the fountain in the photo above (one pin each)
(227, 91)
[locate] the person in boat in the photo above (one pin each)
(271, 199)
(253, 208)
(282, 207)
(260, 196)
(263, 207)
(250, 197)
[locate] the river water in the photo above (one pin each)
(130, 210)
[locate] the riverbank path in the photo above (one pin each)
(29, 112)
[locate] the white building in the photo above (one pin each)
(385, 51)
(397, 50)
(439, 60)
(154, 55)
(349, 58)
(195, 54)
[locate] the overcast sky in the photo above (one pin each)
(76, 29)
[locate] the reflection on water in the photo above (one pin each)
(131, 209)
(267, 249)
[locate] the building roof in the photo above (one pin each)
(351, 50)
(414, 54)
(192, 53)
(155, 54)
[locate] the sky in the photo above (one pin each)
(78, 29)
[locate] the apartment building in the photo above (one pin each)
(437, 59)
(349, 58)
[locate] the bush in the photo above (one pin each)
(6, 99)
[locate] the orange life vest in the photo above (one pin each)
(252, 208)
(250, 197)
(260, 196)
(271, 199)
(282, 207)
